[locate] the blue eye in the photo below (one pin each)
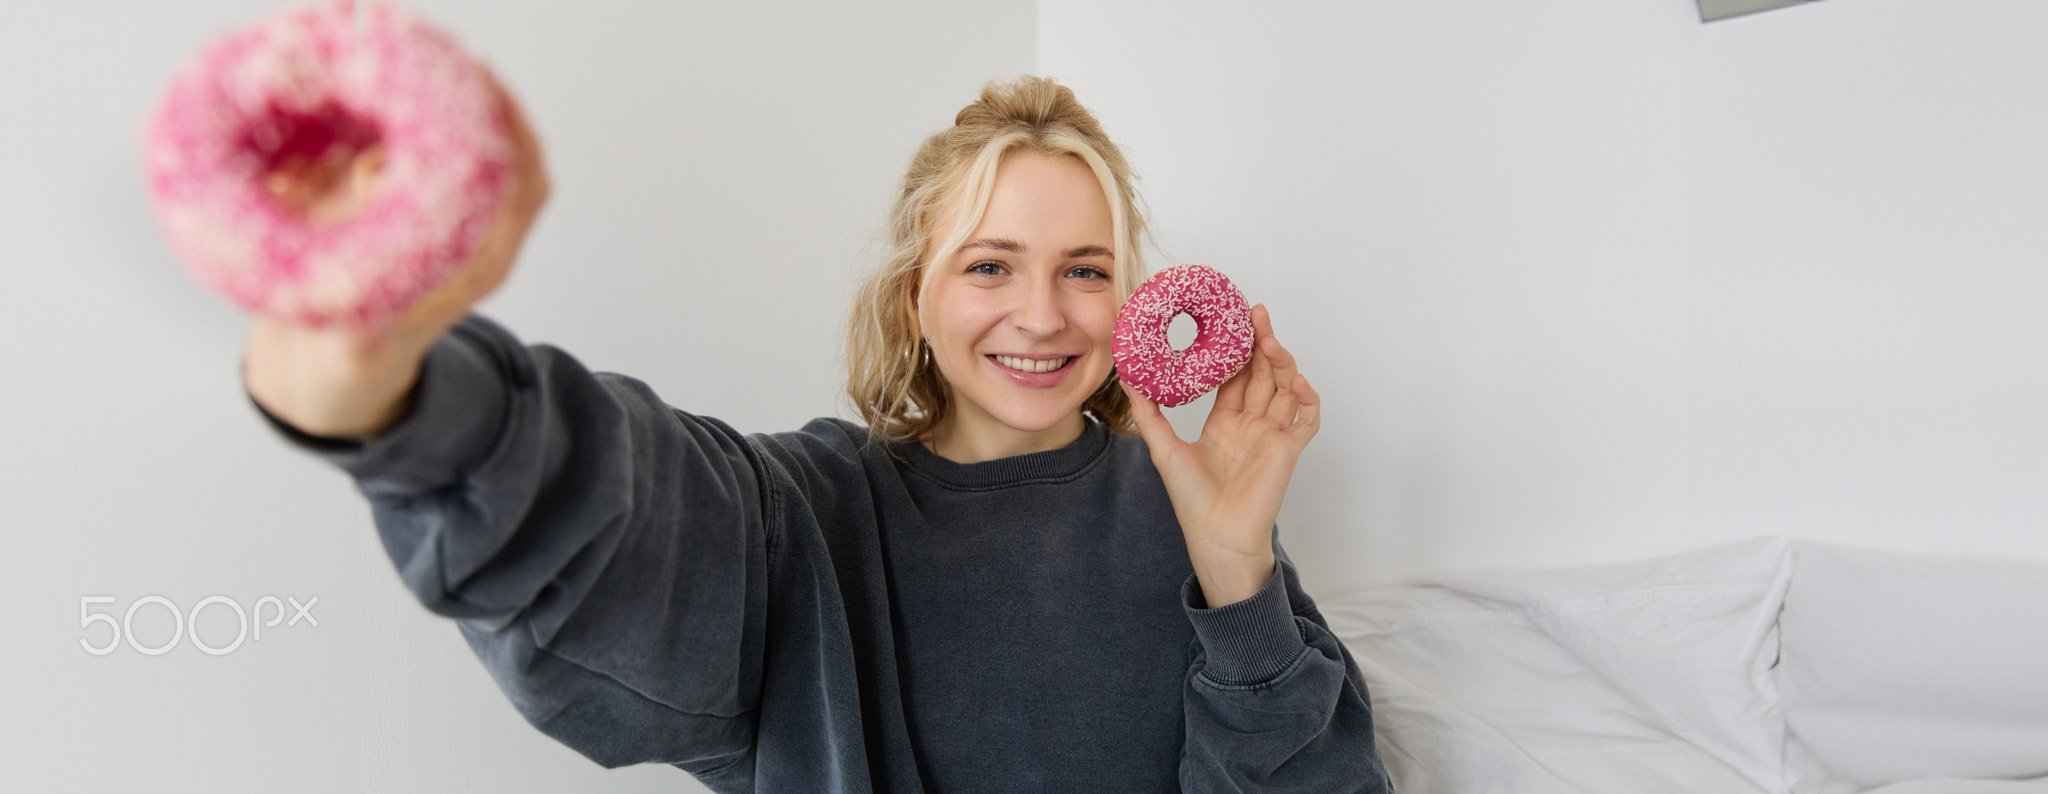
(1088, 272)
(986, 268)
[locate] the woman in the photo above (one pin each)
(992, 586)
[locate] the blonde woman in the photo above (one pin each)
(1013, 578)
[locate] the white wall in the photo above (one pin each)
(707, 158)
(1587, 280)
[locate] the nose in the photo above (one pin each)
(1040, 314)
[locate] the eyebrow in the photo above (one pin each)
(1012, 246)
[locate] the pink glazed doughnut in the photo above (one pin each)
(313, 89)
(1223, 335)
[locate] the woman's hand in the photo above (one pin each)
(1227, 486)
(350, 381)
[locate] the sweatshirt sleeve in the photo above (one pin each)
(1273, 700)
(604, 553)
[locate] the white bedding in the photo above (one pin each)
(1658, 676)
(1902, 667)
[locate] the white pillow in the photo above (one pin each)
(1954, 786)
(1651, 676)
(1899, 667)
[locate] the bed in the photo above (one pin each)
(1771, 665)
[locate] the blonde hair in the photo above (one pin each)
(890, 377)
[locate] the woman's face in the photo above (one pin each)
(1020, 319)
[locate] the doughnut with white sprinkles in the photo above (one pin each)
(318, 90)
(1223, 336)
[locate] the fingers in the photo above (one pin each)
(530, 186)
(1284, 374)
(525, 191)
(1152, 424)
(1311, 411)
(1230, 396)
(530, 183)
(493, 258)
(1282, 407)
(1271, 383)
(1258, 389)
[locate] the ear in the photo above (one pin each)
(916, 318)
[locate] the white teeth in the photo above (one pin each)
(1029, 365)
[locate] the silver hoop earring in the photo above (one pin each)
(919, 355)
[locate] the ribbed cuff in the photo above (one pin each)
(323, 446)
(458, 411)
(1249, 642)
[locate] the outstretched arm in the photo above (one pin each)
(604, 553)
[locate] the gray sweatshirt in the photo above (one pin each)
(809, 612)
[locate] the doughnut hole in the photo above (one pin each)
(322, 165)
(1181, 331)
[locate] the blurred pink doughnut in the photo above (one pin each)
(390, 133)
(1223, 334)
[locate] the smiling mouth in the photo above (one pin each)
(1031, 365)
